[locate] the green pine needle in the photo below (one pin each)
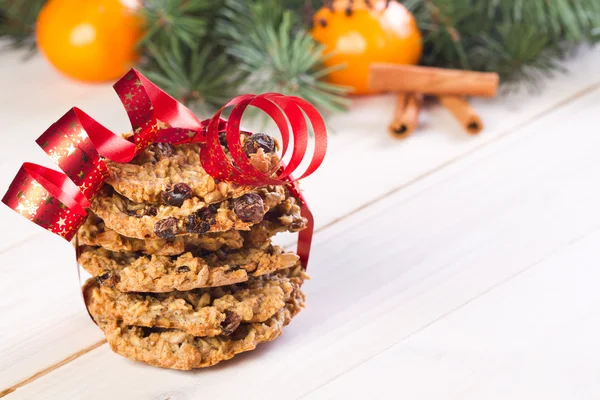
(168, 21)
(520, 39)
(277, 54)
(17, 21)
(203, 79)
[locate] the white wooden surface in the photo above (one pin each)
(444, 266)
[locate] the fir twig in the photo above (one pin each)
(518, 39)
(202, 78)
(17, 21)
(168, 21)
(276, 53)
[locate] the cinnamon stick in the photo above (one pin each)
(464, 113)
(406, 114)
(430, 80)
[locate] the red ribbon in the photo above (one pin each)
(78, 144)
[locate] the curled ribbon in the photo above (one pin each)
(78, 144)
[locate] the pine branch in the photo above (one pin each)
(519, 39)
(276, 54)
(17, 21)
(169, 21)
(203, 77)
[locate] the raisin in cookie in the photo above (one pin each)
(142, 221)
(153, 176)
(198, 312)
(133, 272)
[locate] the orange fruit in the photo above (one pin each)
(357, 34)
(90, 40)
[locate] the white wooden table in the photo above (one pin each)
(444, 266)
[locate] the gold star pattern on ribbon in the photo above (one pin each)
(21, 207)
(81, 134)
(55, 156)
(32, 209)
(71, 149)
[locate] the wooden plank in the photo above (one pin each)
(396, 267)
(534, 336)
(43, 316)
(51, 368)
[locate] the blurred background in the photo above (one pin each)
(203, 52)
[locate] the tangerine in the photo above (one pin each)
(92, 40)
(358, 33)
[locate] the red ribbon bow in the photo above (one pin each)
(78, 144)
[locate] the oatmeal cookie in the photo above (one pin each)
(142, 221)
(133, 272)
(94, 233)
(152, 176)
(172, 348)
(198, 312)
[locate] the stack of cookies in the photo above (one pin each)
(185, 274)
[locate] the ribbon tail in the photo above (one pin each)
(305, 236)
(48, 198)
(75, 143)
